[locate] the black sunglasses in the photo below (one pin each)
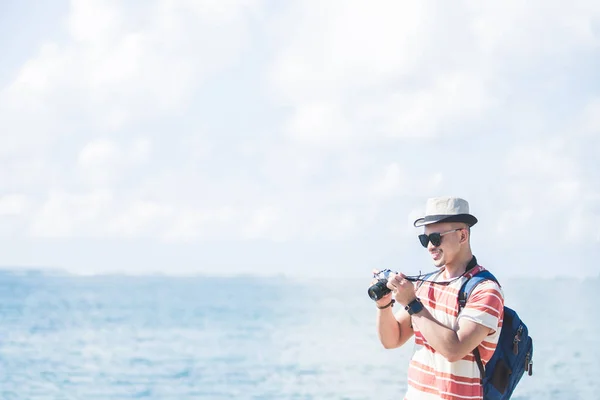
(435, 238)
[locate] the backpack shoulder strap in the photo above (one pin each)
(470, 284)
(463, 295)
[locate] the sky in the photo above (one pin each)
(297, 138)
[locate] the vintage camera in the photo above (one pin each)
(379, 288)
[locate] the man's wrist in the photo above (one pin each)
(414, 307)
(390, 304)
(407, 302)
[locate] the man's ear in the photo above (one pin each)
(464, 235)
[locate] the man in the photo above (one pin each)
(443, 365)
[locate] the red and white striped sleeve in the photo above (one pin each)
(485, 305)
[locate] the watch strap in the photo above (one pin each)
(414, 307)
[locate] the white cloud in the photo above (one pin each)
(319, 124)
(418, 70)
(381, 79)
(546, 159)
(71, 214)
(98, 153)
(120, 64)
(583, 224)
(538, 28)
(546, 195)
(428, 111)
(190, 225)
(103, 161)
(589, 123)
(514, 224)
(140, 219)
(391, 182)
(342, 224)
(141, 150)
(90, 21)
(354, 45)
(262, 222)
(14, 204)
(434, 81)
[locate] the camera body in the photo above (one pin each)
(379, 288)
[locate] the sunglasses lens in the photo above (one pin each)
(424, 239)
(436, 239)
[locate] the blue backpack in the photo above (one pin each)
(514, 351)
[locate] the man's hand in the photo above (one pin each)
(404, 290)
(385, 300)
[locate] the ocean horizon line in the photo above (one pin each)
(16, 270)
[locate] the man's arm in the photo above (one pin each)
(477, 320)
(393, 330)
(453, 345)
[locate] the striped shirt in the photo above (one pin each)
(430, 375)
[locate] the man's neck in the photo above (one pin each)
(457, 267)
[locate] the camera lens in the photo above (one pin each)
(378, 289)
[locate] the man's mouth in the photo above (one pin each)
(436, 255)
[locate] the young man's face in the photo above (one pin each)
(450, 244)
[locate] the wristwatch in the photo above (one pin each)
(414, 307)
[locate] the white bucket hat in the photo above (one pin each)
(446, 209)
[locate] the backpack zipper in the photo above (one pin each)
(528, 363)
(517, 339)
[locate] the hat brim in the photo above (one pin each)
(434, 219)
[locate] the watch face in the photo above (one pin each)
(414, 307)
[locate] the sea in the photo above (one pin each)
(156, 337)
